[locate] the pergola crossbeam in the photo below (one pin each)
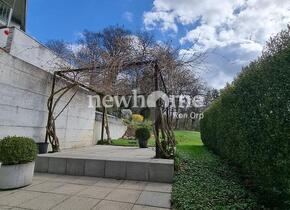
(164, 149)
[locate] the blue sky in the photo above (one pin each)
(231, 32)
(64, 19)
(67, 18)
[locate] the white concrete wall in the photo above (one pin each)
(117, 127)
(24, 90)
(3, 38)
(30, 50)
(25, 84)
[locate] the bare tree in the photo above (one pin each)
(109, 57)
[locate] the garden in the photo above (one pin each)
(239, 159)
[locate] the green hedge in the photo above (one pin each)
(250, 123)
(17, 150)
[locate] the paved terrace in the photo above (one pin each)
(60, 192)
(108, 152)
(129, 163)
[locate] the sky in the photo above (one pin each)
(230, 32)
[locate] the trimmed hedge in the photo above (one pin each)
(250, 123)
(17, 150)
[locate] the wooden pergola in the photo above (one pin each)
(162, 129)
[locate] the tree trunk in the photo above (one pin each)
(109, 140)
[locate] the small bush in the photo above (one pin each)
(142, 133)
(17, 150)
(137, 118)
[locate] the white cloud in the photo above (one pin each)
(218, 79)
(128, 16)
(226, 25)
(151, 19)
(75, 47)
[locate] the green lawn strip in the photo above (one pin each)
(181, 136)
(131, 142)
(204, 181)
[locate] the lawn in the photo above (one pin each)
(204, 181)
(131, 142)
(181, 136)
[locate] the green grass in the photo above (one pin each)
(204, 181)
(131, 143)
(184, 137)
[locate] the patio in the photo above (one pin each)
(50, 191)
(128, 163)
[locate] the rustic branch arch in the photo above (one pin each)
(162, 127)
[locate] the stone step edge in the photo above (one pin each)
(127, 170)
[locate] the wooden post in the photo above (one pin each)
(157, 108)
(103, 124)
(50, 107)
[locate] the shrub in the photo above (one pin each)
(142, 133)
(137, 118)
(17, 150)
(250, 123)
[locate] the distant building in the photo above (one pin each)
(13, 13)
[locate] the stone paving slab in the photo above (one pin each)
(4, 207)
(156, 199)
(138, 207)
(69, 189)
(129, 163)
(81, 180)
(17, 197)
(111, 183)
(3, 193)
(95, 192)
(58, 192)
(124, 195)
(45, 201)
(112, 205)
(46, 186)
(158, 187)
(77, 203)
(133, 185)
(110, 152)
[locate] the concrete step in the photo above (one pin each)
(153, 170)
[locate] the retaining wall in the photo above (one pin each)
(24, 90)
